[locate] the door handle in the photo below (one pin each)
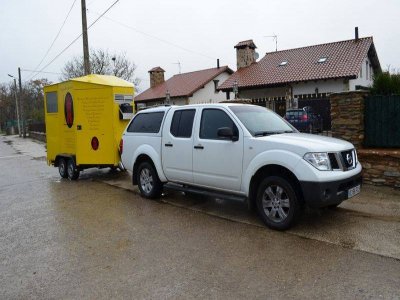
(198, 147)
(168, 145)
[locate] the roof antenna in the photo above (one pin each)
(275, 38)
(179, 66)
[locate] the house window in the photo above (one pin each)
(283, 63)
(322, 59)
(366, 70)
(215, 85)
(361, 71)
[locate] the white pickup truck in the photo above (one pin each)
(239, 152)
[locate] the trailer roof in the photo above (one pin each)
(103, 80)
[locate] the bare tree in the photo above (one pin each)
(102, 62)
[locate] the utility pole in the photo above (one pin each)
(16, 103)
(21, 101)
(86, 62)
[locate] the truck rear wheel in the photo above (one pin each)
(62, 167)
(277, 203)
(73, 172)
(149, 184)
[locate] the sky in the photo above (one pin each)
(192, 33)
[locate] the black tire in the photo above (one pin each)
(333, 206)
(62, 167)
(277, 203)
(73, 172)
(113, 169)
(148, 182)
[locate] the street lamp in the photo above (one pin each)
(16, 103)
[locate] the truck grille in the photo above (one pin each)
(348, 159)
(333, 161)
(345, 160)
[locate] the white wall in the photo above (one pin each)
(173, 101)
(362, 79)
(328, 86)
(179, 101)
(207, 94)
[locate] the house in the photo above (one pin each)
(186, 88)
(303, 76)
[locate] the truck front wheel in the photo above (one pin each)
(149, 184)
(277, 203)
(62, 168)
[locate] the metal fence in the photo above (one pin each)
(382, 121)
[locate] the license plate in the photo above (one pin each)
(353, 191)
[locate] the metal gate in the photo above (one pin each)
(321, 106)
(382, 121)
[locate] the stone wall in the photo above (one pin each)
(380, 166)
(40, 136)
(347, 113)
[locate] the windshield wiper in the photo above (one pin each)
(264, 133)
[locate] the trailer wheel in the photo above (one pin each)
(149, 184)
(73, 172)
(62, 167)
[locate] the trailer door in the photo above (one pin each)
(94, 127)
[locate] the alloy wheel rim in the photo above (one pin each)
(146, 180)
(275, 203)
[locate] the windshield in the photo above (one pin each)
(260, 121)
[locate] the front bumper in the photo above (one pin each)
(321, 194)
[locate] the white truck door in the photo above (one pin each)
(217, 161)
(177, 145)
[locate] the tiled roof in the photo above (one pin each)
(343, 60)
(248, 43)
(182, 85)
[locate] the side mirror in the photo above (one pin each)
(227, 133)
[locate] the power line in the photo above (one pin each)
(155, 37)
(70, 44)
(27, 70)
(58, 34)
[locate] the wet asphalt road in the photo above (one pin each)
(87, 239)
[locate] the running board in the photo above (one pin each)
(204, 192)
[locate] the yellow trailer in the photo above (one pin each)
(85, 118)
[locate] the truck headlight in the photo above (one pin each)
(319, 160)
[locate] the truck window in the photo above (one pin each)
(212, 120)
(146, 122)
(182, 123)
(51, 102)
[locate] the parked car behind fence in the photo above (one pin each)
(304, 119)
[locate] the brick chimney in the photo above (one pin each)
(156, 76)
(245, 53)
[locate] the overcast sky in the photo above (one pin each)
(193, 33)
